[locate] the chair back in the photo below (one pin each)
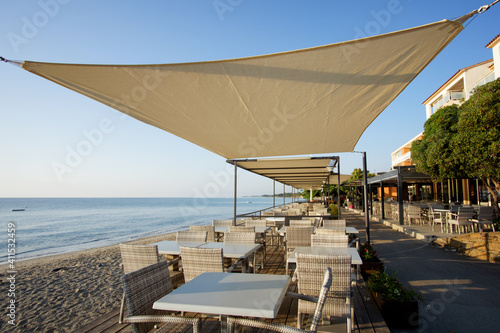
(191, 236)
(331, 231)
(298, 236)
(239, 237)
(334, 223)
(413, 211)
(222, 223)
(197, 260)
(486, 213)
(330, 241)
(323, 293)
(310, 270)
(465, 214)
(142, 288)
(301, 223)
(238, 228)
(210, 229)
(135, 257)
(256, 223)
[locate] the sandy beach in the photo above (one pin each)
(64, 292)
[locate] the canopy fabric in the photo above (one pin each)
(310, 101)
(305, 173)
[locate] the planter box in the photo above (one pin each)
(402, 314)
(368, 268)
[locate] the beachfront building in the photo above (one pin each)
(455, 90)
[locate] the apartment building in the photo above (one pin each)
(455, 90)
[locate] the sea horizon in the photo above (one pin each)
(54, 225)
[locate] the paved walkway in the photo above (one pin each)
(462, 294)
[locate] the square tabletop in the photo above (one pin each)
(348, 230)
(173, 247)
(231, 294)
(356, 259)
(233, 250)
(258, 230)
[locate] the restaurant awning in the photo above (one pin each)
(311, 101)
(301, 173)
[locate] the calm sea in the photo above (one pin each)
(52, 226)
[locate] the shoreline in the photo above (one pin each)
(62, 292)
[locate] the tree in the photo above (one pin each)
(477, 143)
(464, 142)
(434, 155)
(357, 174)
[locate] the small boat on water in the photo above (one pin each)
(19, 210)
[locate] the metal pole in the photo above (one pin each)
(338, 185)
(382, 208)
(274, 193)
(365, 183)
(283, 194)
(400, 198)
(235, 188)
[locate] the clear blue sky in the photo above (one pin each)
(41, 122)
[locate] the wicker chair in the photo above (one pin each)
(319, 301)
(415, 212)
(240, 228)
(197, 260)
(208, 228)
(436, 217)
(331, 231)
(245, 238)
(461, 219)
(334, 223)
(222, 223)
(298, 236)
(135, 257)
(330, 241)
(256, 223)
(339, 299)
(191, 236)
(142, 288)
(485, 216)
(301, 223)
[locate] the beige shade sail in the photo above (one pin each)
(311, 101)
(301, 173)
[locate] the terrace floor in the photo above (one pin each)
(367, 316)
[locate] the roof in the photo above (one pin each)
(311, 101)
(493, 42)
(456, 75)
(302, 172)
(408, 174)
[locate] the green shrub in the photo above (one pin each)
(389, 286)
(334, 209)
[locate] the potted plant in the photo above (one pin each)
(398, 304)
(371, 261)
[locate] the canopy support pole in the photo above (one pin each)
(274, 193)
(235, 188)
(400, 198)
(283, 194)
(365, 198)
(382, 208)
(338, 187)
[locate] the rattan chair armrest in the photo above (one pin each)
(233, 266)
(261, 324)
(171, 262)
(302, 297)
(165, 319)
(354, 241)
(294, 276)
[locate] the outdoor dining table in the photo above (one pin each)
(229, 250)
(352, 251)
(228, 294)
(444, 218)
(348, 230)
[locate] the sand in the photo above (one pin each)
(64, 292)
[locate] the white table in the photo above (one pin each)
(348, 230)
(228, 294)
(229, 250)
(236, 251)
(352, 251)
(173, 247)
